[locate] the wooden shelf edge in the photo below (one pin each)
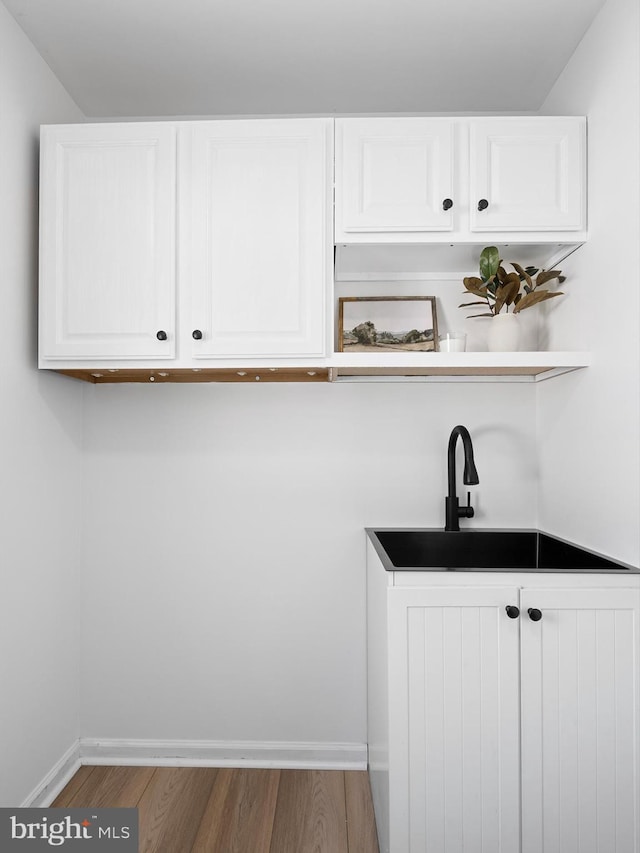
(114, 376)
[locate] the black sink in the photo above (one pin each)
(485, 550)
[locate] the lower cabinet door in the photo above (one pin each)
(453, 721)
(580, 725)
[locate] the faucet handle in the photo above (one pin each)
(466, 511)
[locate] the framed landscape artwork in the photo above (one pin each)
(387, 323)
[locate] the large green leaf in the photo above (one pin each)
(489, 262)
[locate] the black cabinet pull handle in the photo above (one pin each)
(447, 204)
(483, 204)
(512, 611)
(161, 335)
(196, 335)
(534, 614)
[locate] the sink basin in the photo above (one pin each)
(485, 550)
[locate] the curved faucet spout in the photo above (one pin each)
(453, 511)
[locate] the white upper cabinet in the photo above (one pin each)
(527, 174)
(107, 242)
(393, 175)
(249, 203)
(257, 242)
(208, 246)
(408, 180)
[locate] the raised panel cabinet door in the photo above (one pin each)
(580, 722)
(258, 236)
(107, 241)
(528, 174)
(393, 175)
(454, 720)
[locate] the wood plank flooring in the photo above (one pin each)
(228, 810)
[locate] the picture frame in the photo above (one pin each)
(387, 324)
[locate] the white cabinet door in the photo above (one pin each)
(527, 174)
(107, 226)
(393, 175)
(580, 722)
(257, 236)
(453, 720)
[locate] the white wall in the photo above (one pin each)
(226, 583)
(222, 593)
(40, 455)
(589, 422)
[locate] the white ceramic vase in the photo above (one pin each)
(504, 333)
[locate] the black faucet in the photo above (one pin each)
(453, 511)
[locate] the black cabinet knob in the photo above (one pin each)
(447, 204)
(196, 335)
(534, 614)
(483, 204)
(161, 335)
(512, 611)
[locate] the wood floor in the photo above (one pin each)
(224, 810)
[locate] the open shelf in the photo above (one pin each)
(451, 367)
(365, 367)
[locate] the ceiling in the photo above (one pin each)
(255, 57)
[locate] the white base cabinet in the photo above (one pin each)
(489, 733)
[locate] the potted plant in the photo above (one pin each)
(504, 294)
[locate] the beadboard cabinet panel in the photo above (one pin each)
(107, 241)
(256, 236)
(453, 665)
(580, 721)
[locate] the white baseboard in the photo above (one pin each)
(195, 753)
(207, 753)
(48, 789)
